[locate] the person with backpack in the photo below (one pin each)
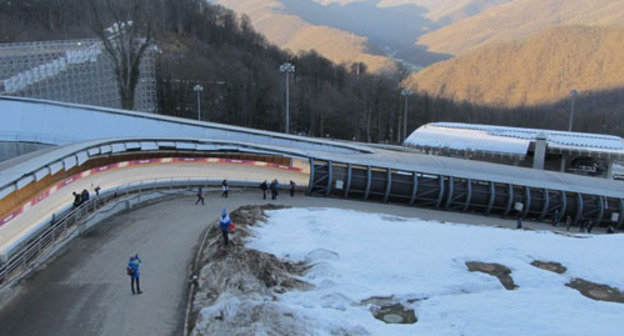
(133, 271)
(264, 186)
(224, 224)
(200, 196)
(226, 188)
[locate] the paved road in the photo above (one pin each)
(85, 291)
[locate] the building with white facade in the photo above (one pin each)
(572, 152)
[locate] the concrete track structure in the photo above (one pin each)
(332, 168)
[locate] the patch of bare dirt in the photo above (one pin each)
(550, 266)
(237, 286)
(596, 291)
(502, 272)
(394, 313)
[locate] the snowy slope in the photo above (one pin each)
(360, 255)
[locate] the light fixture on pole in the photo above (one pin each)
(287, 68)
(406, 94)
(573, 93)
(198, 89)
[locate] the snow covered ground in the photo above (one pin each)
(360, 255)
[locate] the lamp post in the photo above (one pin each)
(198, 89)
(406, 94)
(573, 93)
(287, 68)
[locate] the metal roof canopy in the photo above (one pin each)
(500, 140)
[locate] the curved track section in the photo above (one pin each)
(57, 123)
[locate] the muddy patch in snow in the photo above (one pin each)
(502, 272)
(597, 291)
(238, 287)
(549, 266)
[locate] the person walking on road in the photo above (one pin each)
(264, 186)
(224, 224)
(292, 188)
(225, 188)
(274, 189)
(133, 271)
(200, 196)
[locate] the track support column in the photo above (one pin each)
(601, 201)
(579, 209)
(488, 210)
(368, 182)
(620, 222)
(388, 185)
(414, 188)
(546, 205)
(330, 169)
(510, 199)
(468, 195)
(311, 183)
(527, 199)
(348, 187)
(441, 195)
(451, 191)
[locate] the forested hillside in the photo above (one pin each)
(292, 32)
(518, 19)
(536, 72)
(210, 45)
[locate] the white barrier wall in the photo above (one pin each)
(32, 120)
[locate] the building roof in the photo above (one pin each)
(509, 140)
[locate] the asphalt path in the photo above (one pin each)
(85, 291)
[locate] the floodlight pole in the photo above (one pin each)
(406, 94)
(198, 89)
(287, 68)
(573, 93)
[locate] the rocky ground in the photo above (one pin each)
(237, 286)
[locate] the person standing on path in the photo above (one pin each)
(77, 199)
(224, 224)
(274, 189)
(292, 188)
(133, 271)
(225, 188)
(264, 186)
(200, 196)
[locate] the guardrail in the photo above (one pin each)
(70, 223)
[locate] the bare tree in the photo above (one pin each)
(125, 29)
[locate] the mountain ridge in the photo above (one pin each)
(518, 19)
(539, 69)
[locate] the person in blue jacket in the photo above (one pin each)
(224, 224)
(133, 271)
